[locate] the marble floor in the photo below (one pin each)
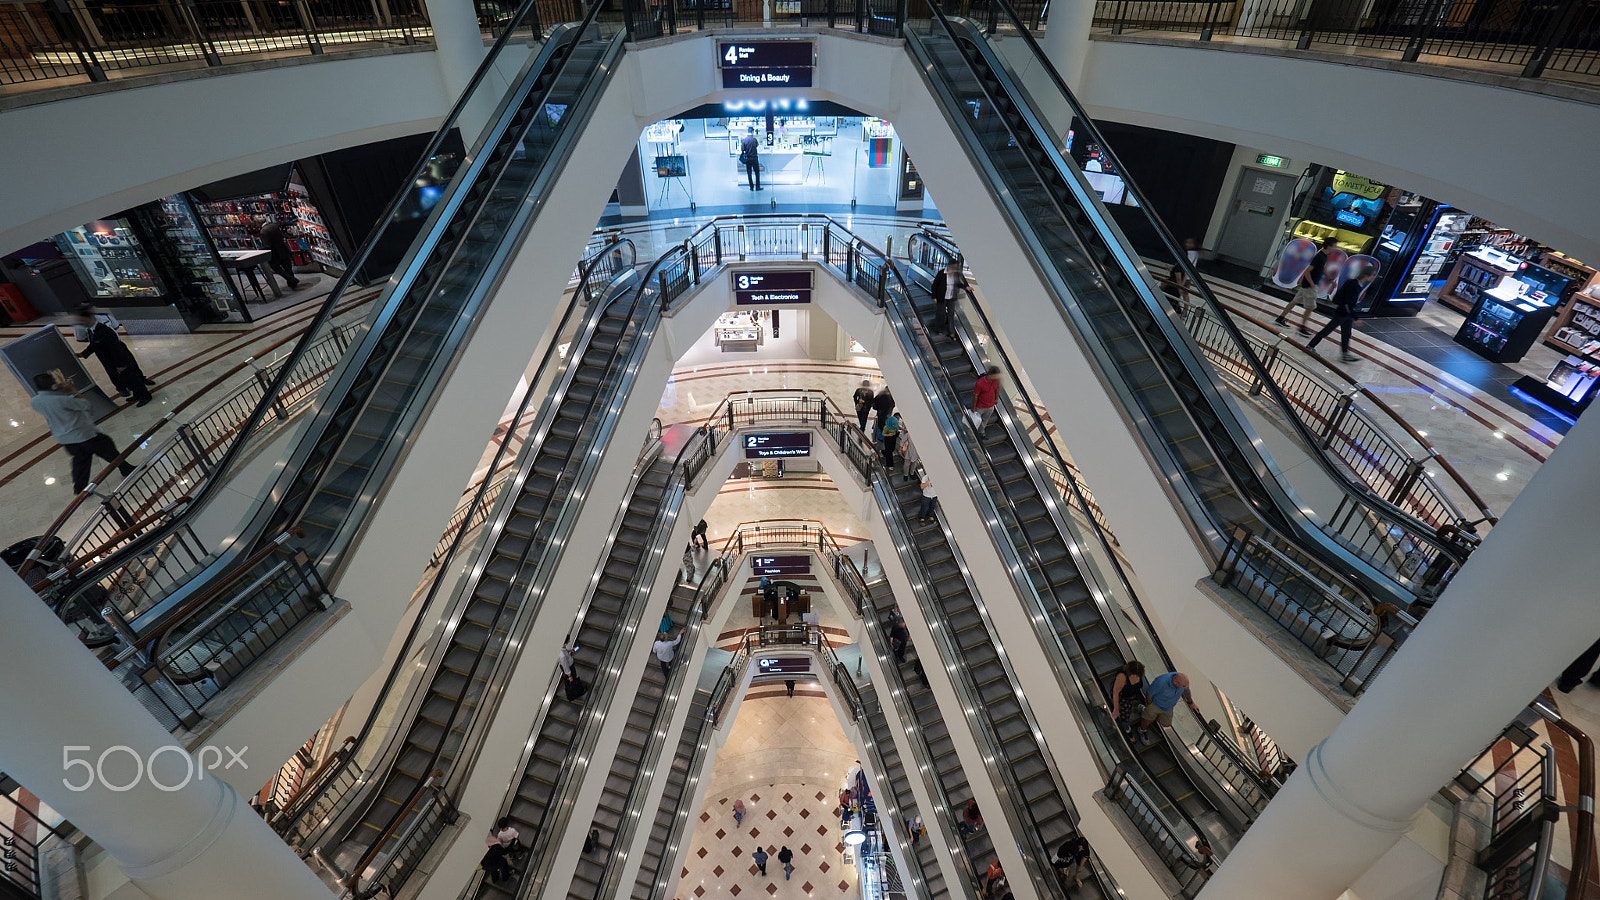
(35, 485)
(785, 758)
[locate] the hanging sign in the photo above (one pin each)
(766, 64)
(772, 288)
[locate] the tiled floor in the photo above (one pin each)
(786, 758)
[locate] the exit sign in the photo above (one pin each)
(1276, 162)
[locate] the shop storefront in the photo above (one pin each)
(1513, 291)
(809, 152)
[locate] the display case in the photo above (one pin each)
(738, 332)
(235, 225)
(110, 261)
(1503, 323)
(1474, 273)
(179, 225)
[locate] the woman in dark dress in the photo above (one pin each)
(1127, 695)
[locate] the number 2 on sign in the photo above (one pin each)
(732, 56)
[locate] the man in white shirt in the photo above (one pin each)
(930, 500)
(72, 425)
(665, 651)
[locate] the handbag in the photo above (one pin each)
(575, 688)
(975, 417)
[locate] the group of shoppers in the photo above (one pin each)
(1136, 704)
(1346, 300)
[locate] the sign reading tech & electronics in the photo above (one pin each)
(772, 288)
(766, 64)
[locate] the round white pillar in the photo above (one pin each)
(1065, 40)
(194, 839)
(459, 44)
(1520, 610)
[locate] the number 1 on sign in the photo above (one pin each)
(732, 56)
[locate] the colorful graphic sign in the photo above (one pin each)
(1293, 260)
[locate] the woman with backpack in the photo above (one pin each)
(1127, 695)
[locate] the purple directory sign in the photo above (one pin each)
(777, 445)
(772, 288)
(783, 665)
(766, 64)
(780, 565)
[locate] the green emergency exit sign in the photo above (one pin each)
(1276, 162)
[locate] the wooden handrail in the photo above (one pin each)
(76, 502)
(388, 832)
(305, 784)
(1582, 807)
(138, 526)
(161, 632)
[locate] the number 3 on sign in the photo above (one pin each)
(744, 282)
(732, 56)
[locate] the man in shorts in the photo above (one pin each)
(1165, 692)
(1305, 294)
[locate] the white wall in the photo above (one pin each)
(1523, 160)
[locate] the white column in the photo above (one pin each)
(1065, 39)
(197, 841)
(459, 43)
(1520, 610)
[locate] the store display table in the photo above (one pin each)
(245, 264)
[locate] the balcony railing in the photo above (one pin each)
(75, 41)
(1530, 40)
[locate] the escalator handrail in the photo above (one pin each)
(422, 250)
(563, 798)
(680, 815)
(991, 507)
(1009, 553)
(1030, 843)
(403, 660)
(1413, 527)
(320, 321)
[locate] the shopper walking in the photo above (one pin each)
(1346, 300)
(891, 439)
(863, 398)
(947, 285)
(883, 406)
(1305, 292)
(1072, 860)
(738, 813)
(665, 651)
(1573, 675)
(750, 158)
(509, 838)
(992, 875)
(930, 499)
(1165, 691)
(1127, 695)
(899, 639)
(786, 856)
(698, 536)
(278, 257)
(760, 859)
(72, 425)
(120, 365)
(564, 658)
(909, 454)
(985, 396)
(495, 865)
(971, 820)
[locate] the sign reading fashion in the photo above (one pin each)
(766, 64)
(777, 445)
(772, 288)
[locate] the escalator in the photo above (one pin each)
(1094, 647)
(480, 209)
(1020, 764)
(633, 768)
(1107, 297)
(561, 750)
(502, 595)
(672, 816)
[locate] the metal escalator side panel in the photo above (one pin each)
(445, 683)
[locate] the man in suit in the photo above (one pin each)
(118, 360)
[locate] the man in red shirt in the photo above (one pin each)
(984, 396)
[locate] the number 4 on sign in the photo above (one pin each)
(732, 56)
